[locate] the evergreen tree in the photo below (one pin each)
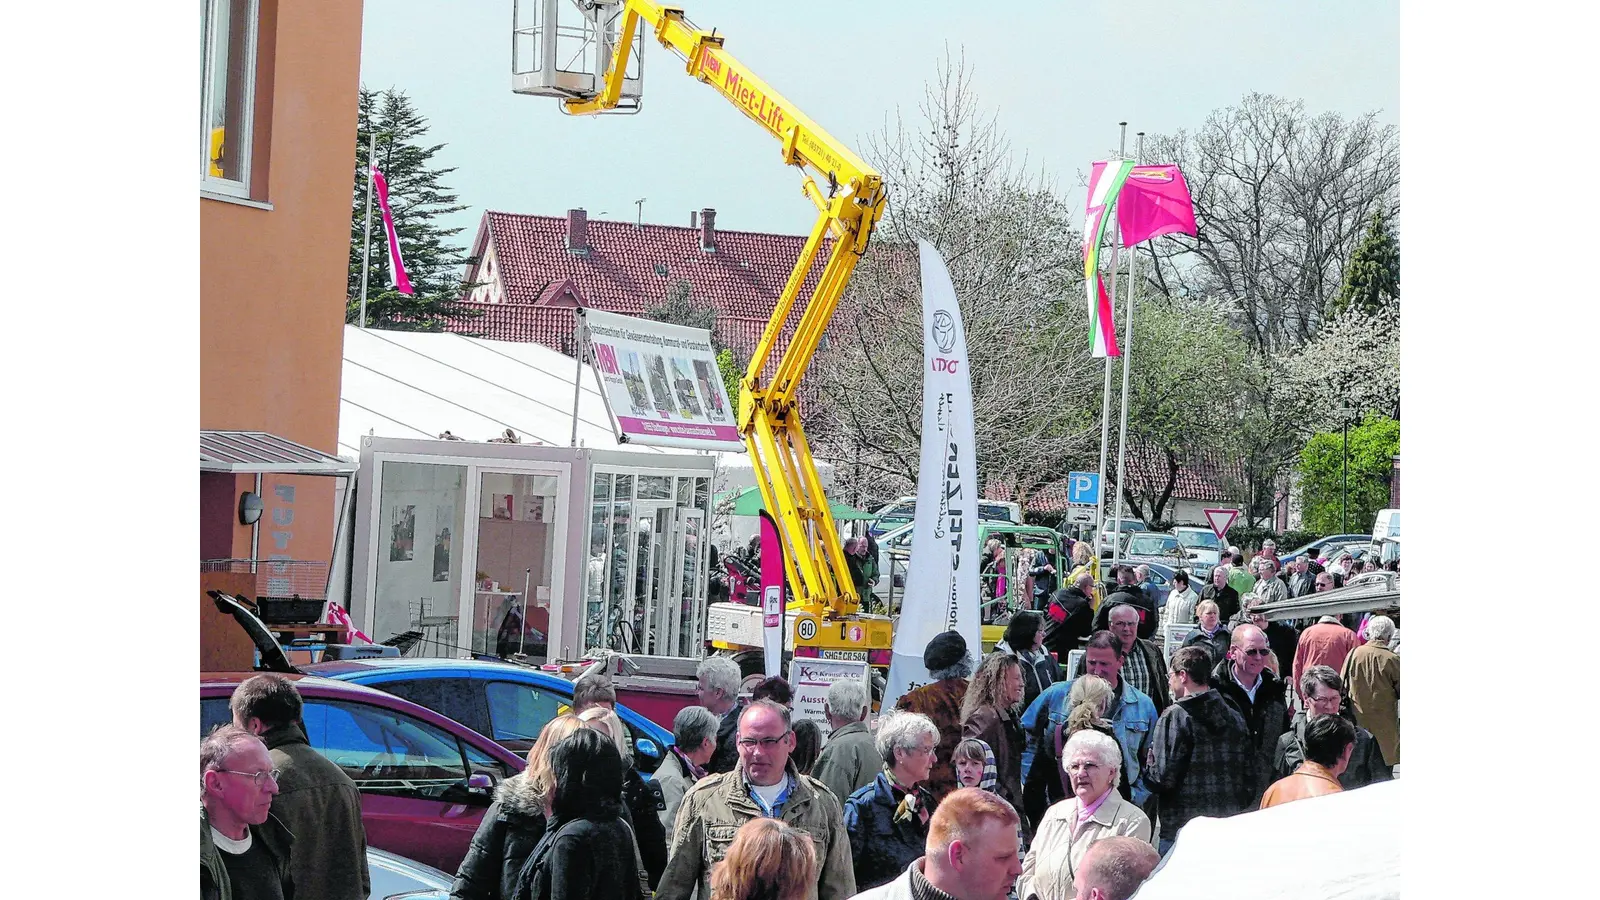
(417, 198)
(1372, 279)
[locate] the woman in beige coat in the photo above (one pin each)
(1071, 827)
(1372, 675)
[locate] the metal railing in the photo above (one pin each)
(303, 578)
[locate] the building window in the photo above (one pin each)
(227, 93)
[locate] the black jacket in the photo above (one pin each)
(1149, 618)
(215, 882)
(727, 755)
(1044, 586)
(1199, 762)
(1227, 599)
(1068, 634)
(642, 805)
(1366, 762)
(1267, 717)
(580, 859)
(512, 827)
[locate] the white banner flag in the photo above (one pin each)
(942, 584)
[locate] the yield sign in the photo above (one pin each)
(1221, 520)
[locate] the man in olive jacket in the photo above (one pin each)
(849, 761)
(316, 799)
(244, 849)
(764, 783)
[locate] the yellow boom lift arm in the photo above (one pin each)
(849, 196)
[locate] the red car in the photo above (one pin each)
(425, 780)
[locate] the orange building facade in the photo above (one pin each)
(276, 158)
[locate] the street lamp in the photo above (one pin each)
(1345, 412)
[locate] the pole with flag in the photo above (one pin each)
(1092, 272)
(366, 231)
(1152, 201)
(1127, 362)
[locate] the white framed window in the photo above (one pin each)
(227, 94)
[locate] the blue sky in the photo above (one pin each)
(1059, 78)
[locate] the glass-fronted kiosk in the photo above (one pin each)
(465, 548)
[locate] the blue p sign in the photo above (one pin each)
(1083, 487)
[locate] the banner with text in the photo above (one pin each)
(942, 586)
(660, 382)
(811, 679)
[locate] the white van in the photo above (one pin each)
(1387, 525)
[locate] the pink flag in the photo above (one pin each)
(1154, 201)
(397, 266)
(337, 616)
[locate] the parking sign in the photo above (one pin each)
(1083, 488)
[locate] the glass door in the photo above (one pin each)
(687, 582)
(652, 613)
(512, 582)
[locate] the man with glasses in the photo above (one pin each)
(1246, 683)
(244, 851)
(318, 802)
(763, 784)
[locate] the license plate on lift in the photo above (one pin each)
(856, 655)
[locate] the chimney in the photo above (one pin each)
(708, 230)
(577, 232)
(694, 221)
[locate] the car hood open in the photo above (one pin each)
(273, 659)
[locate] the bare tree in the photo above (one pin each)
(1015, 260)
(1281, 199)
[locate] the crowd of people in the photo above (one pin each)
(1004, 776)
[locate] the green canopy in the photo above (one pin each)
(747, 502)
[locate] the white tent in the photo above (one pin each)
(1344, 846)
(412, 385)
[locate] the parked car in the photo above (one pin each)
(1326, 546)
(425, 780)
(1154, 546)
(507, 702)
(903, 511)
(1204, 549)
(397, 878)
(1125, 528)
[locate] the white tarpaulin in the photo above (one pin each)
(661, 382)
(1344, 846)
(942, 588)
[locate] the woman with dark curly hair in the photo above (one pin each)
(990, 713)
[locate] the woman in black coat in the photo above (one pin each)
(587, 850)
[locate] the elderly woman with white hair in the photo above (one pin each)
(1372, 675)
(887, 820)
(1069, 828)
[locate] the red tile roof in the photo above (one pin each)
(626, 268)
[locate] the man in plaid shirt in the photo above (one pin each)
(1200, 761)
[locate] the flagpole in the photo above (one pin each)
(1127, 362)
(1105, 403)
(366, 242)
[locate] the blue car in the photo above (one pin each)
(508, 703)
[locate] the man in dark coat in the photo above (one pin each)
(1200, 761)
(717, 688)
(1246, 683)
(316, 800)
(1071, 617)
(949, 665)
(1221, 593)
(1127, 591)
(1144, 665)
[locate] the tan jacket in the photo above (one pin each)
(1051, 866)
(717, 805)
(1372, 673)
(1310, 780)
